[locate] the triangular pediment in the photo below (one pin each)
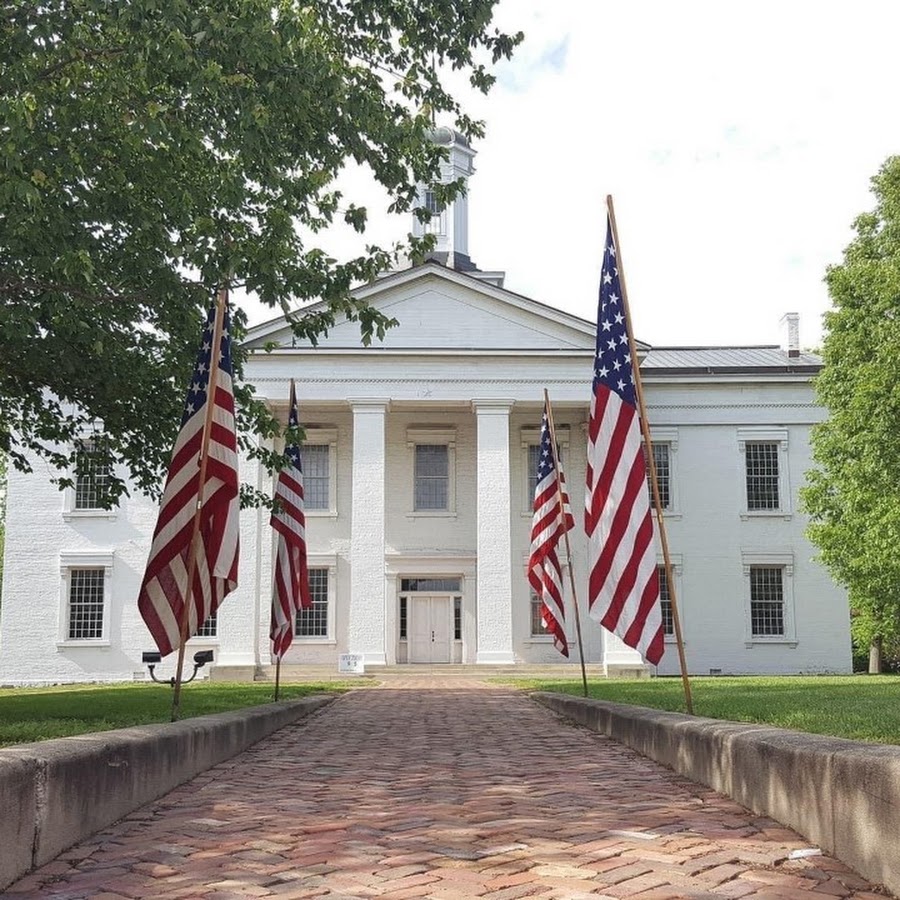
(439, 309)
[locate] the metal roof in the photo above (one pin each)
(681, 360)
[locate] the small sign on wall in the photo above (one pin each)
(351, 664)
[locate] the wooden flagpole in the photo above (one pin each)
(562, 512)
(277, 676)
(204, 458)
(648, 449)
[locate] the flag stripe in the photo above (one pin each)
(164, 590)
(549, 524)
(623, 585)
(290, 590)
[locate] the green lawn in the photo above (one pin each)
(861, 707)
(35, 714)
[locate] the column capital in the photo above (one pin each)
(492, 406)
(369, 404)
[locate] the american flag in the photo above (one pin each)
(291, 590)
(548, 526)
(164, 590)
(623, 586)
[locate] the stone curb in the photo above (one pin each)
(56, 793)
(844, 796)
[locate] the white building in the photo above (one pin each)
(419, 459)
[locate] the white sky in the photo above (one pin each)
(737, 140)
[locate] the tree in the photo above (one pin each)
(150, 149)
(853, 497)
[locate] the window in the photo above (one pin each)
(84, 597)
(766, 601)
(435, 225)
(91, 481)
(762, 475)
(432, 204)
(537, 624)
(318, 454)
(534, 459)
(209, 629)
(663, 480)
(316, 476)
(432, 463)
(432, 477)
(313, 621)
(769, 597)
(404, 618)
(91, 474)
(457, 618)
(767, 489)
(430, 585)
(665, 602)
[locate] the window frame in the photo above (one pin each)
(775, 560)
(669, 438)
(677, 565)
(208, 638)
(70, 511)
(72, 560)
(322, 435)
(329, 563)
(766, 435)
(427, 435)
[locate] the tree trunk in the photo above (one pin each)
(875, 657)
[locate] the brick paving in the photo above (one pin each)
(431, 788)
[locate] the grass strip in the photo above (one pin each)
(859, 707)
(37, 714)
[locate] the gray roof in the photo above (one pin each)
(725, 360)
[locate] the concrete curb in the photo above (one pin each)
(59, 792)
(844, 796)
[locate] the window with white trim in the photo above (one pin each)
(209, 628)
(85, 597)
(86, 601)
(312, 622)
(663, 474)
(538, 629)
(769, 612)
(664, 446)
(766, 486)
(433, 470)
(318, 454)
(437, 223)
(92, 471)
(316, 624)
(762, 475)
(767, 601)
(665, 602)
(432, 477)
(666, 589)
(91, 480)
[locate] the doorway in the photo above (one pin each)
(430, 629)
(430, 618)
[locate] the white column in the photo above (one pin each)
(494, 540)
(366, 624)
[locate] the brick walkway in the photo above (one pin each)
(444, 792)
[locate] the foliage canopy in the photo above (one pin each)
(852, 496)
(151, 148)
